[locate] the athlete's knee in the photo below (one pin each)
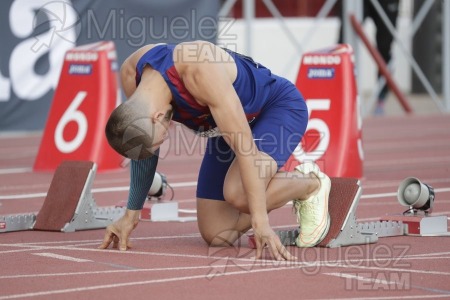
(235, 196)
(219, 239)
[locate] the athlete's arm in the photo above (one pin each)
(142, 172)
(208, 80)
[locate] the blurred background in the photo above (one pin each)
(35, 35)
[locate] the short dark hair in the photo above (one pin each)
(129, 131)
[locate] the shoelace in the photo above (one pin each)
(305, 208)
(309, 209)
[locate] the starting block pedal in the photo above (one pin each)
(343, 201)
(69, 205)
(344, 230)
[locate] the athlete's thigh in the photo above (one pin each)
(219, 223)
(277, 131)
(215, 164)
(233, 188)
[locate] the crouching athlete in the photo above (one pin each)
(253, 120)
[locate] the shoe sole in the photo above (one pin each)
(322, 236)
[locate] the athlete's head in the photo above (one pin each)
(136, 128)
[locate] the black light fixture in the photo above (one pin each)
(417, 195)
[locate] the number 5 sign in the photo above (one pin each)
(87, 92)
(333, 136)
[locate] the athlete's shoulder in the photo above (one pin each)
(194, 54)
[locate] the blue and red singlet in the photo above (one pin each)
(275, 109)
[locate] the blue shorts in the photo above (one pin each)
(277, 131)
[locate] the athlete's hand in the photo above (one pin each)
(119, 232)
(264, 235)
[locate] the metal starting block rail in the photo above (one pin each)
(69, 205)
(17, 222)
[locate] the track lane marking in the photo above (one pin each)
(95, 190)
(62, 257)
(319, 263)
(15, 171)
(124, 284)
(166, 280)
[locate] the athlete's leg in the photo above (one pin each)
(277, 131)
(281, 187)
(307, 186)
(222, 222)
(219, 223)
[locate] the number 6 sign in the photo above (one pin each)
(80, 110)
(72, 114)
(333, 136)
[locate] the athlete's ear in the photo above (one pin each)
(158, 116)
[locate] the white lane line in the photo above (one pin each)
(184, 184)
(417, 162)
(395, 260)
(15, 171)
(146, 282)
(126, 271)
(318, 263)
(376, 184)
(96, 190)
(428, 254)
(384, 195)
(124, 284)
(62, 257)
(23, 196)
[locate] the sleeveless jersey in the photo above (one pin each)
(252, 85)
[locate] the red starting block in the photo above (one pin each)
(69, 205)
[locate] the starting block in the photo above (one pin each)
(345, 230)
(69, 205)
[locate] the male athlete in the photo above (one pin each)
(253, 120)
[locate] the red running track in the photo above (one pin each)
(170, 260)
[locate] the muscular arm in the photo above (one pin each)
(210, 83)
(142, 172)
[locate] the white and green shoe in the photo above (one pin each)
(312, 213)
